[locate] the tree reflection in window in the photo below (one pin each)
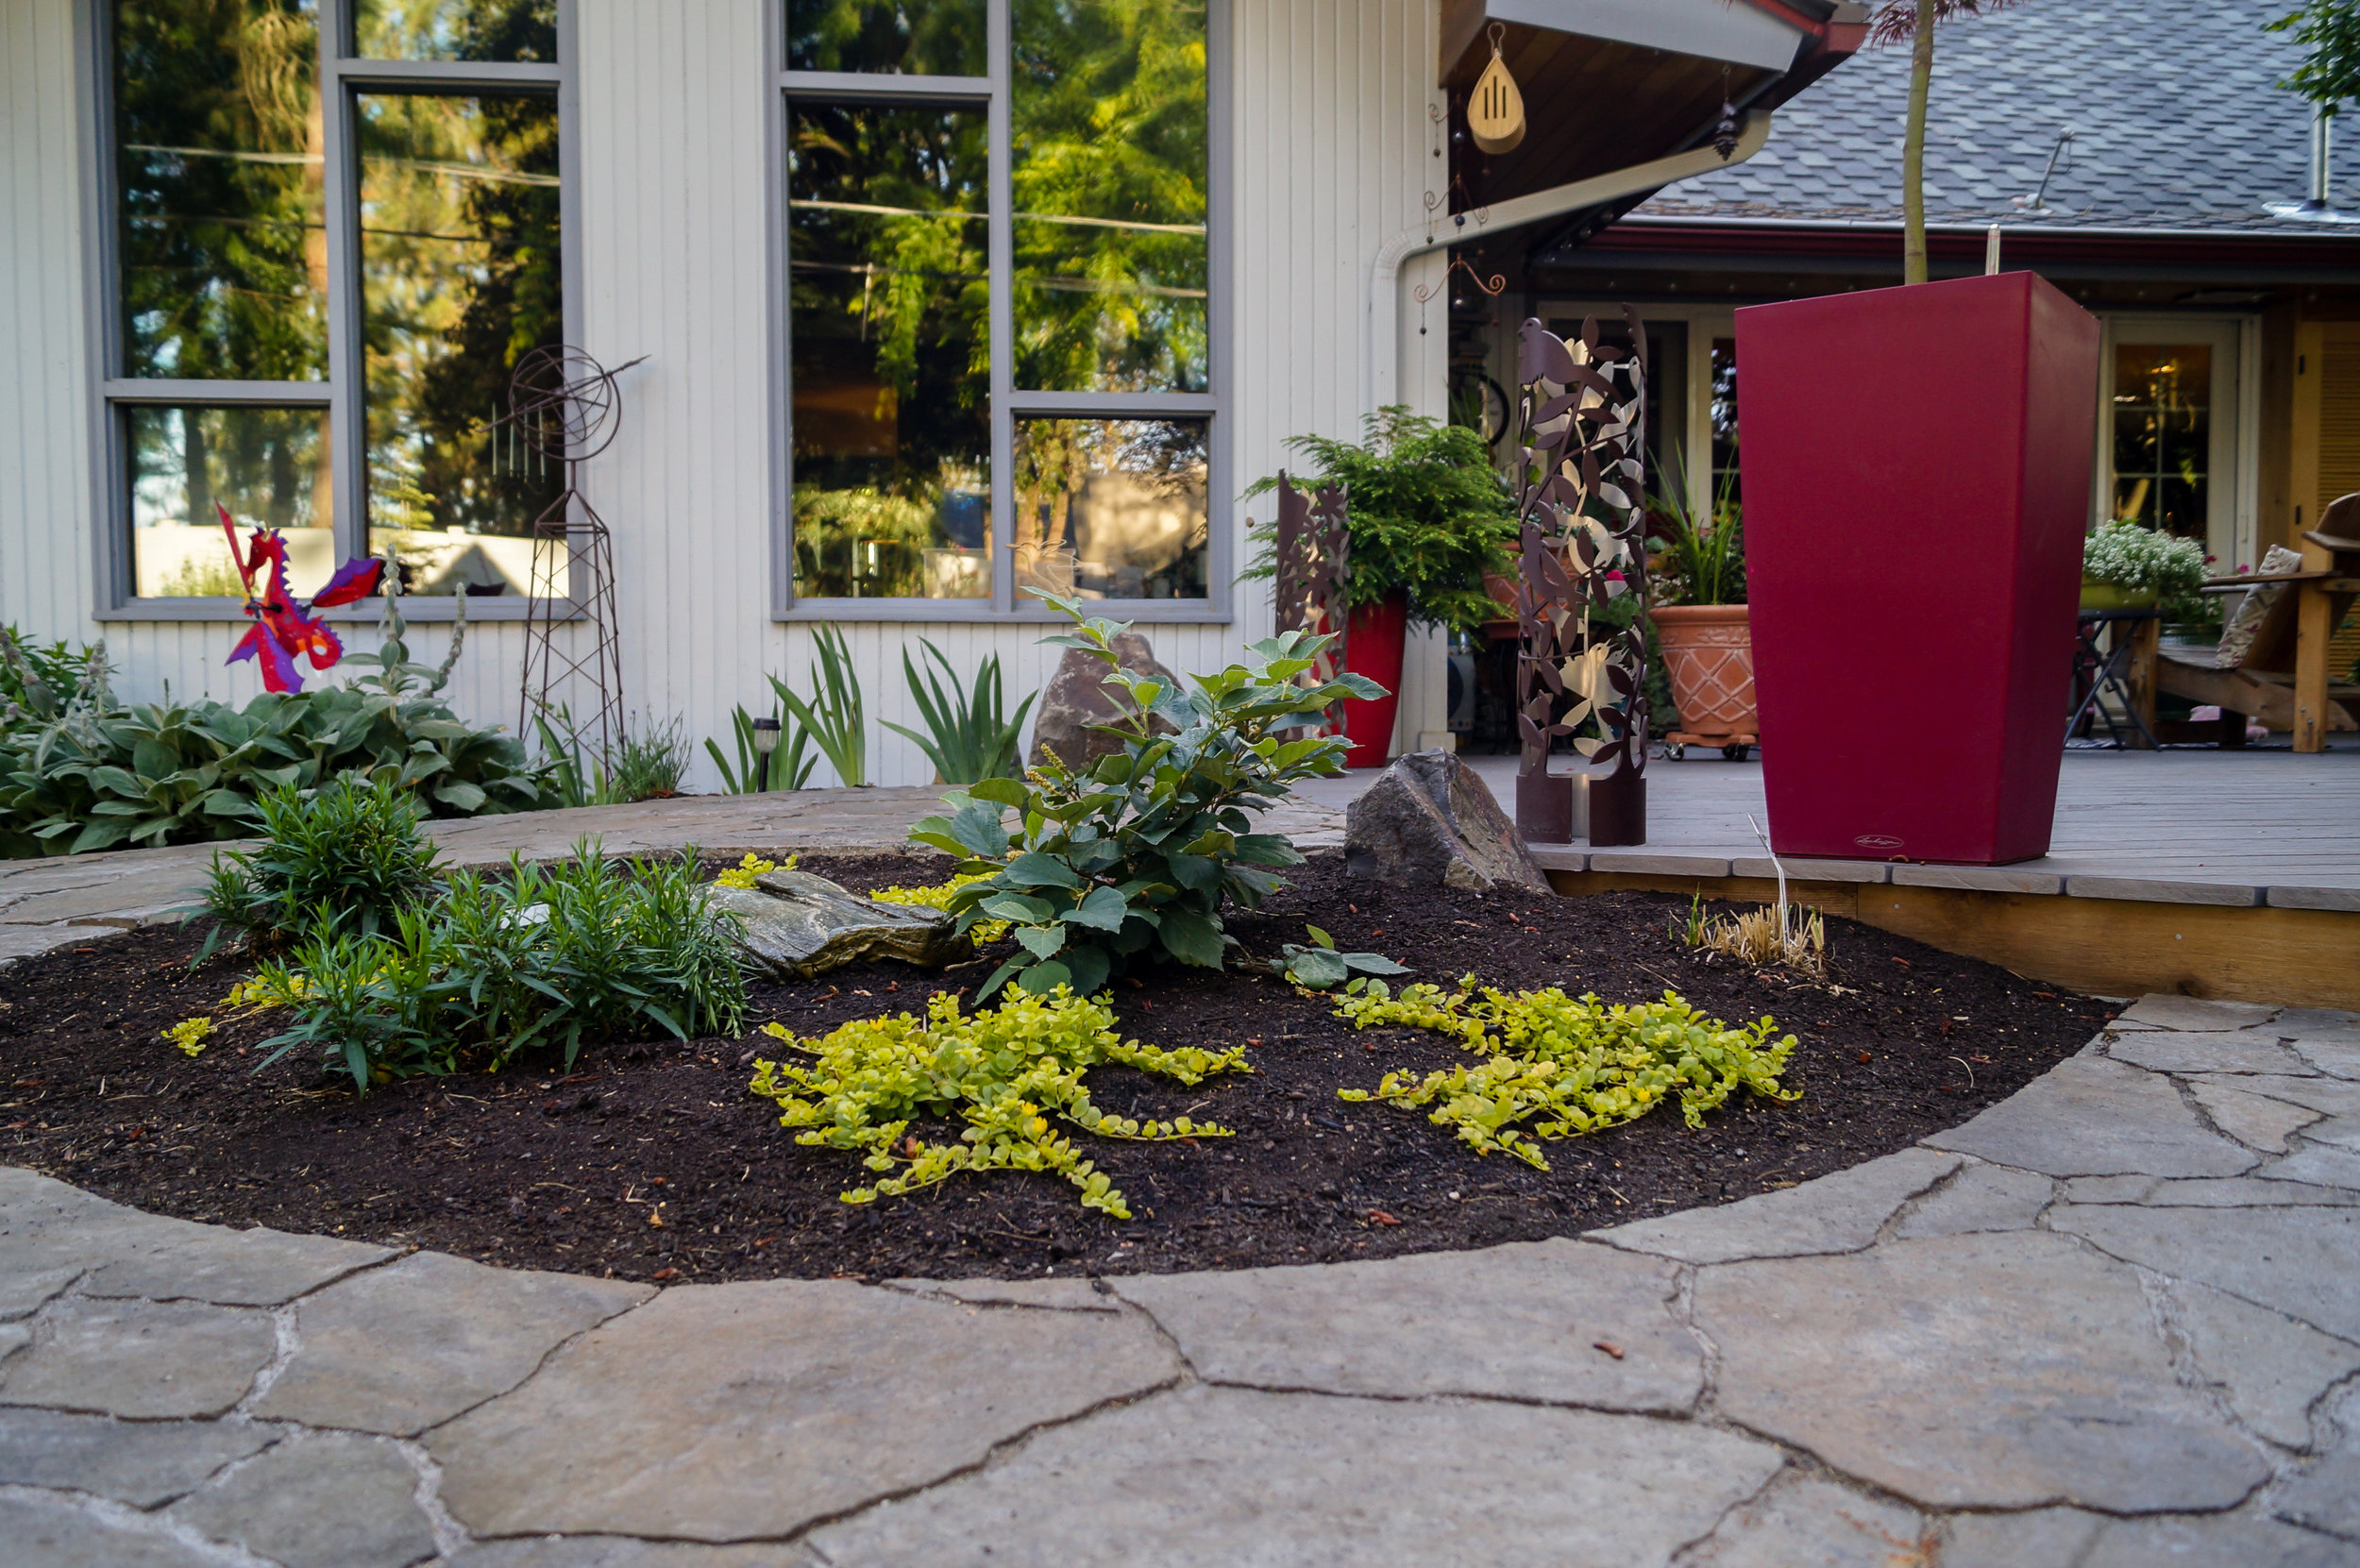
(461, 277)
(2163, 435)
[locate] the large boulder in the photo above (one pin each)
(1429, 822)
(1077, 698)
(796, 926)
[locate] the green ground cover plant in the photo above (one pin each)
(348, 854)
(1133, 860)
(1557, 1066)
(557, 957)
(1013, 1073)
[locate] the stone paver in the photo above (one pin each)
(328, 1501)
(1233, 1477)
(141, 1358)
(2305, 1261)
(740, 1411)
(1547, 1307)
(139, 1463)
(2043, 1380)
(406, 1347)
(2128, 1287)
(1840, 1213)
(2090, 1117)
(1807, 1519)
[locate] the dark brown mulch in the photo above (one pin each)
(653, 1161)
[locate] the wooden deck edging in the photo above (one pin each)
(2113, 947)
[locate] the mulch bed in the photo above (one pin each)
(653, 1161)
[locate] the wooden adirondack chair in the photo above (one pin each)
(2282, 678)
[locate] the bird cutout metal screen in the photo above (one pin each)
(1314, 551)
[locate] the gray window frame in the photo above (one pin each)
(990, 91)
(342, 75)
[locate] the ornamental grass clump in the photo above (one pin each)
(1013, 1073)
(1557, 1066)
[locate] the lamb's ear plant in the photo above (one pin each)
(968, 738)
(1133, 860)
(833, 716)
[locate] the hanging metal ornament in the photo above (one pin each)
(1495, 114)
(1725, 133)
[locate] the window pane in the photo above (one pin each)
(2163, 435)
(459, 278)
(890, 359)
(218, 171)
(1111, 259)
(514, 30)
(268, 467)
(1111, 508)
(931, 37)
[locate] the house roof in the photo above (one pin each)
(2178, 123)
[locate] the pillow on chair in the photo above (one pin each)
(2244, 623)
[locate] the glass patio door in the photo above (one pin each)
(2167, 435)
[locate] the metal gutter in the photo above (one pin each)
(1639, 223)
(1386, 299)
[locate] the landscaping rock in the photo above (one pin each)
(1803, 1519)
(2214, 1050)
(403, 1348)
(798, 925)
(2318, 1166)
(2041, 1538)
(141, 1358)
(1213, 1478)
(2223, 1541)
(1076, 698)
(2089, 1117)
(139, 1463)
(2270, 1368)
(1979, 1198)
(2326, 1497)
(726, 1412)
(2162, 1011)
(1972, 1372)
(2254, 1119)
(331, 1501)
(1338, 1327)
(234, 1267)
(1427, 821)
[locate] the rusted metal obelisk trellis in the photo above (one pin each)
(1579, 494)
(1314, 548)
(565, 404)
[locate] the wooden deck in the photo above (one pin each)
(2211, 873)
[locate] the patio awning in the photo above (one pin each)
(1610, 83)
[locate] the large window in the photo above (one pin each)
(1000, 294)
(335, 226)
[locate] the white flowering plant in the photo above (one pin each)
(2128, 554)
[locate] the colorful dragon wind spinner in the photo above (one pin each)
(1580, 490)
(283, 625)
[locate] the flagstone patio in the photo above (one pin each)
(2112, 1321)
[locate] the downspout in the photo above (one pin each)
(1386, 302)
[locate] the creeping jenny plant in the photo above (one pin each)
(1557, 1066)
(1135, 857)
(1013, 1073)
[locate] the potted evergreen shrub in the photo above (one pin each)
(2128, 566)
(1702, 625)
(1428, 518)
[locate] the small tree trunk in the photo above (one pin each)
(1914, 148)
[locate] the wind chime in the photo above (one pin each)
(1580, 484)
(565, 405)
(1314, 550)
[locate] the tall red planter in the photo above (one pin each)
(1917, 467)
(1375, 637)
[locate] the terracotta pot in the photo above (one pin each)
(1709, 656)
(1375, 639)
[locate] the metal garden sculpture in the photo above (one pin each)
(1314, 551)
(1579, 489)
(285, 626)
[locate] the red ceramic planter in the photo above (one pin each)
(1375, 640)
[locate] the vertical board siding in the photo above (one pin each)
(1330, 154)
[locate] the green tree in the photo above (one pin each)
(2330, 29)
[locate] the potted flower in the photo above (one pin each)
(1702, 625)
(1428, 518)
(2128, 566)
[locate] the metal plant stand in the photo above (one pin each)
(566, 405)
(1314, 550)
(1580, 488)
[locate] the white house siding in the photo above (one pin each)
(1330, 156)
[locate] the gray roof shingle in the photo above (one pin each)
(2178, 120)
